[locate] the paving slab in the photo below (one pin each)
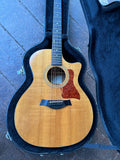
(77, 13)
(6, 90)
(11, 58)
(13, 16)
(36, 8)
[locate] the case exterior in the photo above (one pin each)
(104, 55)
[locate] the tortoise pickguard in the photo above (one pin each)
(69, 90)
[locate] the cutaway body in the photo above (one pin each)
(44, 126)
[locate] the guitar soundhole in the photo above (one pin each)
(56, 75)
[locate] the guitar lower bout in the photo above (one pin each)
(53, 112)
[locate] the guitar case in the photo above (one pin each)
(71, 55)
(104, 56)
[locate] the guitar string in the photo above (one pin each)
(61, 42)
(53, 54)
(54, 71)
(57, 69)
(60, 48)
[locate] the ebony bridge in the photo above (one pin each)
(55, 104)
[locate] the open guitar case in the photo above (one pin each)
(104, 29)
(71, 55)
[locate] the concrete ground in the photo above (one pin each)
(22, 27)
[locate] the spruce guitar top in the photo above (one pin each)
(54, 111)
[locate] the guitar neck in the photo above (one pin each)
(57, 34)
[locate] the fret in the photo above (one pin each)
(56, 56)
(57, 2)
(56, 46)
(56, 59)
(57, 8)
(58, 37)
(57, 15)
(57, 19)
(57, 41)
(56, 32)
(57, 25)
(56, 52)
(56, 62)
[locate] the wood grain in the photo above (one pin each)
(43, 126)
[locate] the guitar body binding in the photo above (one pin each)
(43, 126)
(29, 80)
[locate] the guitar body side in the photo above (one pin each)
(45, 127)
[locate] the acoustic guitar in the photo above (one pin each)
(54, 112)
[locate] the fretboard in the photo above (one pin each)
(57, 34)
